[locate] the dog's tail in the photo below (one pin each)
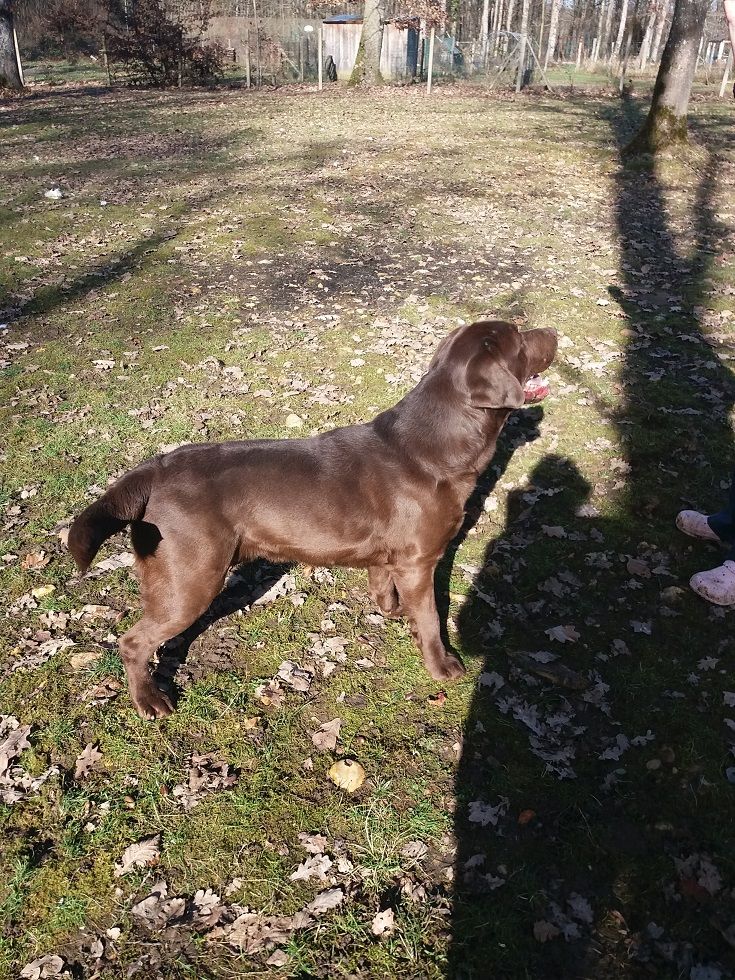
(124, 502)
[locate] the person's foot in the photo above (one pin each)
(535, 389)
(696, 525)
(717, 585)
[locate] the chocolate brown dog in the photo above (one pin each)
(387, 496)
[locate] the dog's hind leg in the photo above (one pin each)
(383, 590)
(176, 589)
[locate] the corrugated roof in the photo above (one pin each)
(343, 19)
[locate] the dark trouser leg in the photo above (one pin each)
(723, 524)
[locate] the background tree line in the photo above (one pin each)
(75, 28)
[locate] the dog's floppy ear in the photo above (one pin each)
(490, 383)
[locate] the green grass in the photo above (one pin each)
(252, 247)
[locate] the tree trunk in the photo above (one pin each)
(543, 24)
(522, 46)
(648, 36)
(658, 33)
(581, 11)
(666, 123)
(367, 62)
(621, 30)
(11, 73)
(604, 7)
(553, 31)
(497, 27)
(483, 28)
(508, 23)
(607, 30)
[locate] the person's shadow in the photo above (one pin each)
(580, 812)
(528, 780)
(521, 428)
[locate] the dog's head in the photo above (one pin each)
(492, 360)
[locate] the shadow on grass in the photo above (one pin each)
(590, 792)
(246, 587)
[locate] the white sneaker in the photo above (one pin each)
(717, 585)
(694, 524)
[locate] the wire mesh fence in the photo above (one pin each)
(285, 49)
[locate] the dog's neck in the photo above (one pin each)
(457, 438)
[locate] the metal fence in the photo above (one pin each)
(275, 50)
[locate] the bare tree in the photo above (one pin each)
(606, 30)
(509, 21)
(522, 54)
(645, 52)
(553, 31)
(621, 30)
(11, 73)
(497, 25)
(658, 33)
(484, 25)
(367, 62)
(666, 123)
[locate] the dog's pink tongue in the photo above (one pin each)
(536, 389)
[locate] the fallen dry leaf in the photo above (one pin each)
(44, 966)
(313, 843)
(84, 659)
(208, 773)
(141, 853)
(296, 677)
(384, 922)
(123, 559)
(92, 612)
(271, 694)
(326, 900)
(86, 761)
(16, 783)
(326, 738)
(637, 567)
(34, 561)
(556, 673)
(563, 634)
(316, 866)
(543, 931)
(279, 958)
(484, 813)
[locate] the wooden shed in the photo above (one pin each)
(399, 55)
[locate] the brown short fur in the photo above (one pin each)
(387, 496)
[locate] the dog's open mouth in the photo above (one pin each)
(535, 389)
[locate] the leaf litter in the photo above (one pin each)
(16, 784)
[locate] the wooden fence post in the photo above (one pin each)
(320, 47)
(430, 73)
(728, 66)
(247, 57)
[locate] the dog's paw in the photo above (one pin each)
(447, 669)
(151, 703)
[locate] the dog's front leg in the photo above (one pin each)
(383, 590)
(415, 586)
